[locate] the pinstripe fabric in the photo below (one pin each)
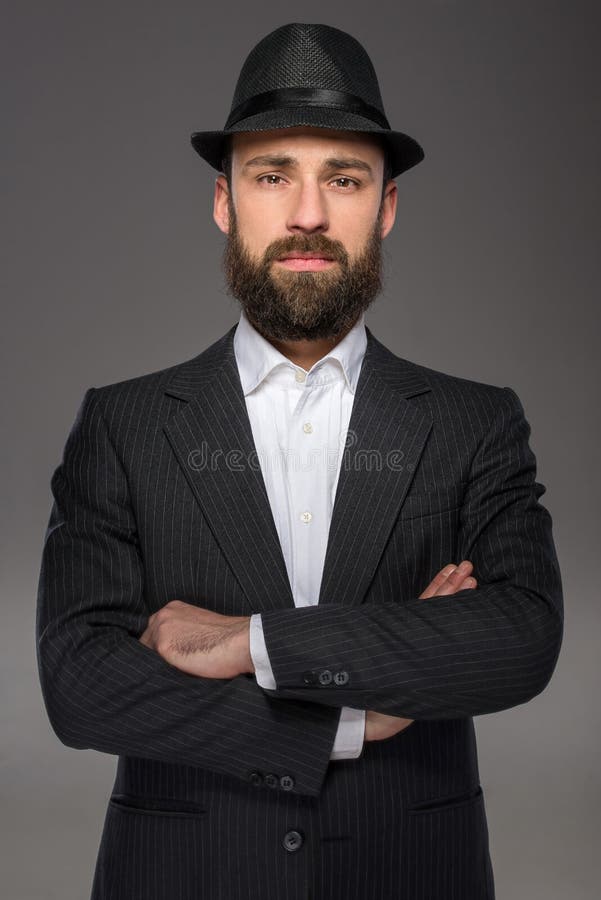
(300, 469)
(158, 497)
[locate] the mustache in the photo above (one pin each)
(306, 243)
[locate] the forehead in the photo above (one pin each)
(305, 142)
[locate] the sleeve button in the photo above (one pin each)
(287, 782)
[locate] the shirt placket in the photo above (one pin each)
(309, 485)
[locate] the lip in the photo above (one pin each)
(306, 262)
(312, 255)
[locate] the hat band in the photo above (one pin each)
(285, 97)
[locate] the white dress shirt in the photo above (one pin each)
(299, 421)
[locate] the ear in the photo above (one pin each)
(221, 212)
(389, 207)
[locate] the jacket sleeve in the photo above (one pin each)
(478, 651)
(105, 690)
(348, 743)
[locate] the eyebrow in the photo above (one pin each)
(333, 162)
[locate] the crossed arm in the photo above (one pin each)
(492, 648)
(488, 648)
(207, 644)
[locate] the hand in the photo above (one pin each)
(378, 726)
(450, 580)
(199, 641)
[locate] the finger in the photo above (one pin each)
(145, 638)
(437, 581)
(455, 579)
(468, 583)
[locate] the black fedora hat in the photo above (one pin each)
(302, 74)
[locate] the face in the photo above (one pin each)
(305, 219)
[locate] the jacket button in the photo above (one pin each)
(271, 780)
(325, 677)
(309, 677)
(287, 782)
(293, 840)
(341, 677)
(255, 778)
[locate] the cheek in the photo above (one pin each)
(354, 228)
(258, 230)
(355, 242)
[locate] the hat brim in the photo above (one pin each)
(403, 150)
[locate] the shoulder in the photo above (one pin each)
(441, 392)
(161, 386)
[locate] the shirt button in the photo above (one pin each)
(300, 376)
(306, 517)
(307, 428)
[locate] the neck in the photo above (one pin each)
(306, 353)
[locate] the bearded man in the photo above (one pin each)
(281, 578)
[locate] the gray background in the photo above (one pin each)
(113, 269)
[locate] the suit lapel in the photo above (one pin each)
(385, 440)
(212, 440)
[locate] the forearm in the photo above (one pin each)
(110, 693)
(476, 652)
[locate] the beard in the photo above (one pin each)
(286, 305)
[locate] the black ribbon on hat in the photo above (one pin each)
(286, 97)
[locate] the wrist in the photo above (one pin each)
(243, 638)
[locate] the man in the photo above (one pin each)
(248, 589)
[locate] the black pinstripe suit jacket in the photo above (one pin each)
(224, 790)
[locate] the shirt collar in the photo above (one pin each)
(256, 357)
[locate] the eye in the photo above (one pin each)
(277, 177)
(349, 182)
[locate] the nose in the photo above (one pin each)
(308, 211)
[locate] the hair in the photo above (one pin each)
(226, 162)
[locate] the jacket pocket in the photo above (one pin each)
(153, 846)
(429, 503)
(445, 845)
(440, 804)
(156, 806)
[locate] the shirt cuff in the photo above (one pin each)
(348, 743)
(259, 655)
